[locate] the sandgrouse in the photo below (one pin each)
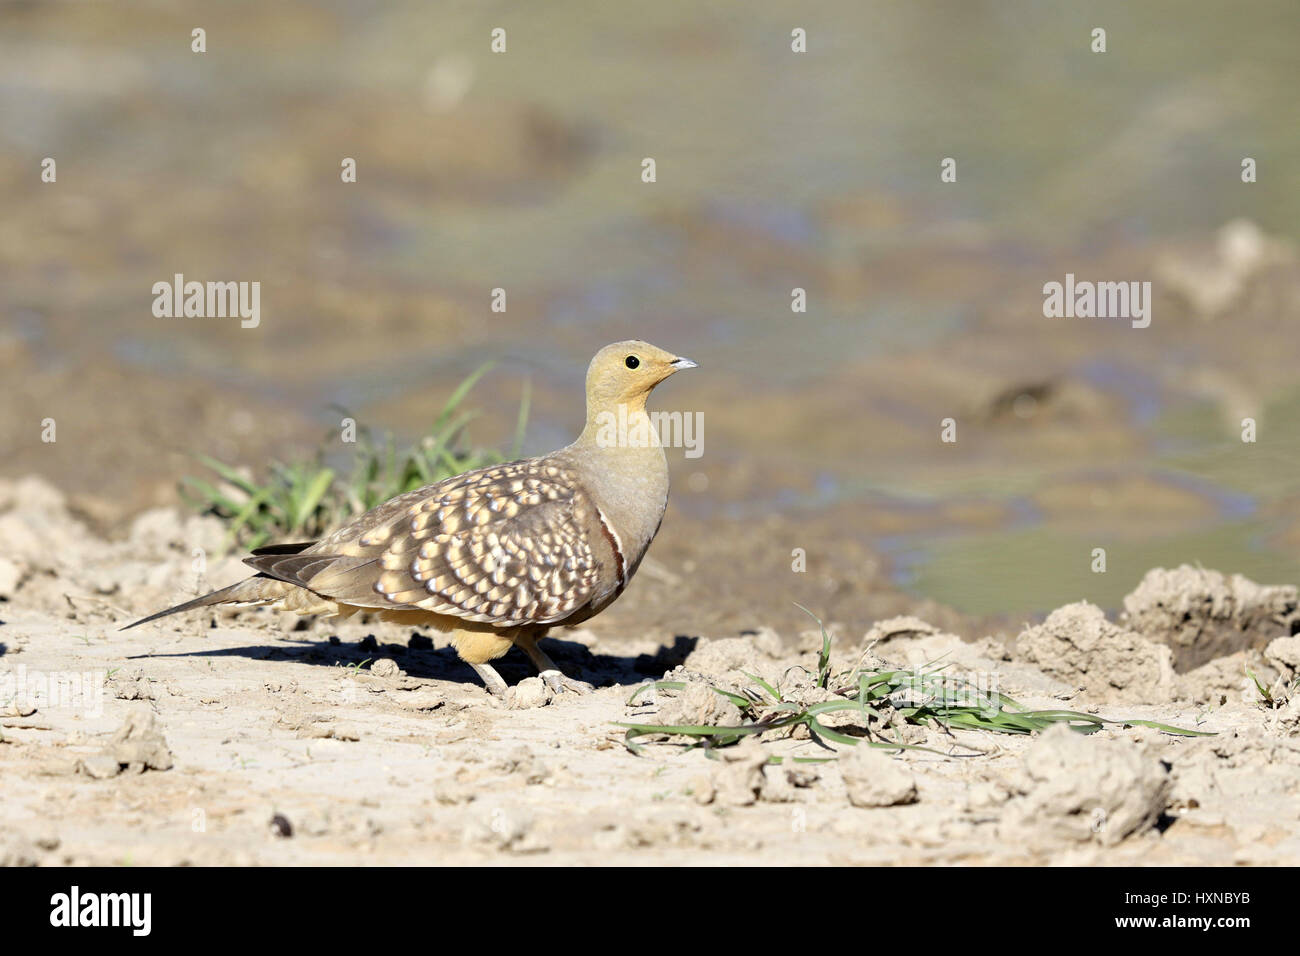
(498, 555)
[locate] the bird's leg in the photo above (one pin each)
(546, 668)
(491, 679)
(477, 649)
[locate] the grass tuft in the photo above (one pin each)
(304, 499)
(883, 696)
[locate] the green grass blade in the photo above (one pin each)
(312, 495)
(229, 474)
(458, 395)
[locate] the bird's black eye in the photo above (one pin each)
(631, 361)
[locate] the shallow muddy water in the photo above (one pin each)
(820, 171)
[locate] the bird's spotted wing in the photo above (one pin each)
(507, 545)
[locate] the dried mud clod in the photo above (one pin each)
(1203, 614)
(873, 779)
(138, 745)
(696, 705)
(529, 693)
(1077, 645)
(744, 776)
(727, 657)
(10, 577)
(1084, 790)
(1284, 654)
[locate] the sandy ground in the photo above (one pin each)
(244, 739)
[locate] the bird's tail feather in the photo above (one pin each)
(248, 592)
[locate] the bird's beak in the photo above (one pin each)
(681, 363)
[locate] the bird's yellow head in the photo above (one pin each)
(624, 374)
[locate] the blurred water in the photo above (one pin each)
(775, 170)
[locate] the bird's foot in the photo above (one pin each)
(558, 683)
